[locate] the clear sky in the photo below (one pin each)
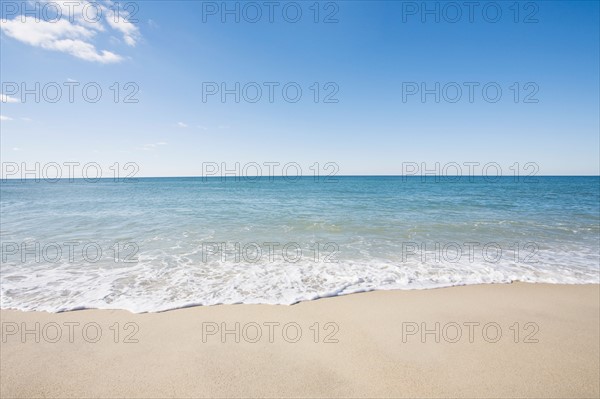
(369, 56)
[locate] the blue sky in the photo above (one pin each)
(373, 50)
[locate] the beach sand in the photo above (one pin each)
(375, 354)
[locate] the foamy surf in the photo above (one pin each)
(163, 244)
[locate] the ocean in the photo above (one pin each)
(154, 244)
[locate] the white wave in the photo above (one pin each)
(161, 281)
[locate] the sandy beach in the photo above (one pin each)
(516, 340)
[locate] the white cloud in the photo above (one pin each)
(86, 51)
(82, 12)
(182, 125)
(16, 149)
(7, 99)
(120, 21)
(5, 118)
(60, 36)
(202, 127)
(73, 29)
(151, 147)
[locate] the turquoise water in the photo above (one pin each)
(151, 244)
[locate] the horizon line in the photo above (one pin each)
(284, 177)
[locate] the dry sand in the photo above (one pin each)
(371, 358)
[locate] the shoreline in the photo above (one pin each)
(484, 340)
(83, 309)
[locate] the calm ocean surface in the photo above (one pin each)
(164, 243)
